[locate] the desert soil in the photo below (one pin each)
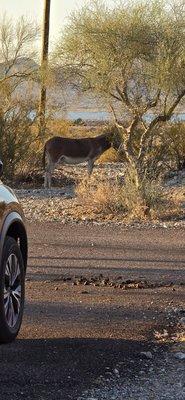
(104, 317)
(63, 204)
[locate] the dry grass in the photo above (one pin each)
(109, 156)
(125, 198)
(173, 204)
(102, 199)
(143, 201)
(101, 195)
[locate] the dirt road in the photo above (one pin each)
(83, 330)
(154, 254)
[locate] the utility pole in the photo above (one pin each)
(44, 67)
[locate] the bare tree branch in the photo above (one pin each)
(125, 98)
(153, 103)
(115, 97)
(160, 118)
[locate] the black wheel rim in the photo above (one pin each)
(12, 290)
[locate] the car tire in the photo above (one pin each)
(12, 290)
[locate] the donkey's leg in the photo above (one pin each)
(48, 173)
(47, 170)
(45, 180)
(46, 177)
(52, 167)
(90, 167)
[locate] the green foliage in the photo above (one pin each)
(141, 45)
(133, 55)
(174, 140)
(16, 139)
(167, 151)
(79, 121)
(17, 71)
(140, 197)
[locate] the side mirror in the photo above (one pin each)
(1, 168)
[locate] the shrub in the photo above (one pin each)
(141, 200)
(79, 121)
(16, 139)
(174, 139)
(57, 127)
(102, 195)
(134, 202)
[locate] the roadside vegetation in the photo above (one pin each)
(133, 58)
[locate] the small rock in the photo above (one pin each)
(147, 354)
(180, 355)
(141, 372)
(161, 335)
(92, 398)
(86, 283)
(56, 287)
(67, 278)
(182, 321)
(116, 372)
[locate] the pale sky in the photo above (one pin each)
(34, 8)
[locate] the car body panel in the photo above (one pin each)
(10, 213)
(8, 203)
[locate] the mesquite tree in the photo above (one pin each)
(17, 71)
(134, 57)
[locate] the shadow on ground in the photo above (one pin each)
(53, 369)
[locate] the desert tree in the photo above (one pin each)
(17, 48)
(133, 56)
(18, 70)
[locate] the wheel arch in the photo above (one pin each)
(14, 227)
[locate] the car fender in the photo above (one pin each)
(9, 220)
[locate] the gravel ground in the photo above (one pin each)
(162, 382)
(147, 318)
(161, 375)
(92, 340)
(62, 204)
(143, 368)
